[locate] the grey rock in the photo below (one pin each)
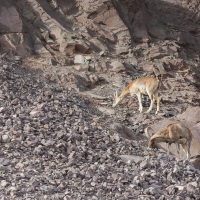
(106, 110)
(5, 138)
(48, 142)
(4, 162)
(8, 122)
(144, 164)
(131, 158)
(117, 66)
(191, 188)
(14, 101)
(3, 183)
(79, 59)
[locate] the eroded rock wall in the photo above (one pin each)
(56, 27)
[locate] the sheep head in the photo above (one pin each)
(116, 99)
(151, 141)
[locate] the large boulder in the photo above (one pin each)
(191, 118)
(11, 28)
(10, 21)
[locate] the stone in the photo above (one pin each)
(8, 122)
(121, 50)
(100, 66)
(147, 67)
(3, 183)
(82, 67)
(106, 110)
(191, 168)
(157, 55)
(5, 138)
(67, 47)
(82, 48)
(98, 45)
(180, 198)
(47, 142)
(144, 164)
(124, 131)
(79, 59)
(191, 188)
(14, 101)
(93, 79)
(4, 162)
(102, 53)
(133, 158)
(117, 66)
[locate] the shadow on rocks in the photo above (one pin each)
(126, 132)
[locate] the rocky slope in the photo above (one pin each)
(56, 145)
(61, 63)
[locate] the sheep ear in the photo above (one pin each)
(147, 132)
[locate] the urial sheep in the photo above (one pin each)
(145, 85)
(173, 133)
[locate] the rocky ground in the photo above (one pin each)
(55, 144)
(60, 65)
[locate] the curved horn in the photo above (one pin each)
(147, 132)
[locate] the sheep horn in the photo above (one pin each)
(147, 132)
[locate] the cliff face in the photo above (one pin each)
(29, 27)
(168, 20)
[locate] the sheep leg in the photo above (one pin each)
(139, 96)
(168, 145)
(157, 99)
(158, 103)
(178, 148)
(187, 149)
(152, 101)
